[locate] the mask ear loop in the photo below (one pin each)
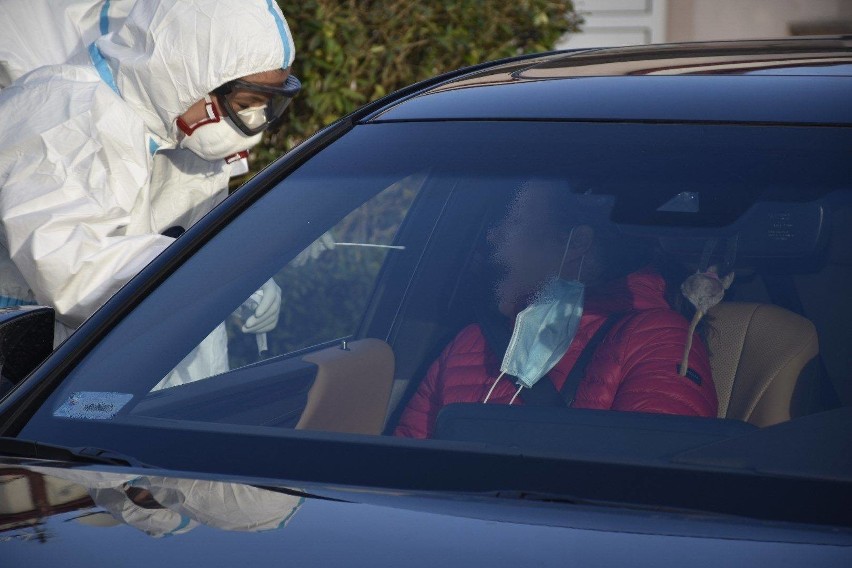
(565, 255)
(212, 116)
(517, 392)
(491, 390)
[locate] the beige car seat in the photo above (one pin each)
(757, 352)
(351, 389)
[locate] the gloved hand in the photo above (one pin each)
(268, 305)
(322, 244)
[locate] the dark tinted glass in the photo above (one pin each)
(499, 209)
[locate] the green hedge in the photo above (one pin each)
(351, 52)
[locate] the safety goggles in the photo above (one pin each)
(253, 107)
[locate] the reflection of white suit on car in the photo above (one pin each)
(226, 506)
(109, 491)
(185, 503)
(78, 145)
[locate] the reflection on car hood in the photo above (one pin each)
(105, 515)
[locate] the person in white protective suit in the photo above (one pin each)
(79, 143)
(184, 187)
(35, 33)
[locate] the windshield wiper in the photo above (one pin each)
(86, 454)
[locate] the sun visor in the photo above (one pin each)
(767, 230)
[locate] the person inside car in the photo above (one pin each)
(564, 284)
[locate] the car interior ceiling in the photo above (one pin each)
(441, 299)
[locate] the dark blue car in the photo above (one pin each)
(400, 226)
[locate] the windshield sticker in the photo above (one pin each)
(93, 405)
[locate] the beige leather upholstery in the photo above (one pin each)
(351, 389)
(757, 352)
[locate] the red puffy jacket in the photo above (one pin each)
(635, 368)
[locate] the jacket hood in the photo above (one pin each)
(169, 53)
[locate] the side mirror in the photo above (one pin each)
(26, 339)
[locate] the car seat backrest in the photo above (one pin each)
(757, 352)
(351, 389)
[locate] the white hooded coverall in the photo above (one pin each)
(35, 33)
(77, 144)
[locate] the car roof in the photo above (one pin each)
(767, 81)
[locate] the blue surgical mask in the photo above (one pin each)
(544, 331)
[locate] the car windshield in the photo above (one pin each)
(665, 294)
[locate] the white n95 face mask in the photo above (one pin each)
(215, 138)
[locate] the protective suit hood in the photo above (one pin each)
(170, 53)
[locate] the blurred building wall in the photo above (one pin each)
(630, 22)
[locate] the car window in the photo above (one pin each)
(323, 291)
(612, 236)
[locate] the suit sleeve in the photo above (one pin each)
(74, 209)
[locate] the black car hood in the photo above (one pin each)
(95, 516)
